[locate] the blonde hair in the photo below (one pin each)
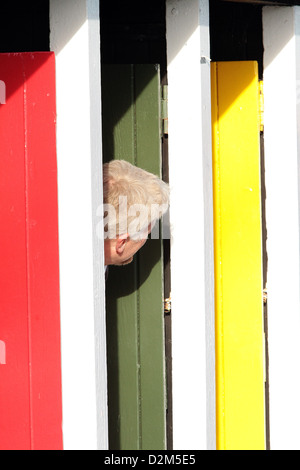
(130, 190)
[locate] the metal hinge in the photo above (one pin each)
(265, 296)
(164, 110)
(168, 305)
(261, 105)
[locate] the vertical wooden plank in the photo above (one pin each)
(75, 39)
(123, 359)
(30, 400)
(118, 107)
(42, 250)
(148, 150)
(122, 300)
(238, 252)
(281, 34)
(191, 212)
(131, 103)
(14, 375)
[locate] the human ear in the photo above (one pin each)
(121, 243)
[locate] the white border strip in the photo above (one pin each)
(191, 217)
(75, 38)
(281, 29)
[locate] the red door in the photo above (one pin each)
(30, 362)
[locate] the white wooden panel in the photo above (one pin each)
(281, 28)
(75, 38)
(191, 221)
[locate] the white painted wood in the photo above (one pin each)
(75, 38)
(281, 29)
(191, 217)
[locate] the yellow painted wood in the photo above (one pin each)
(238, 257)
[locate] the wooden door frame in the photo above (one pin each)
(281, 27)
(75, 39)
(191, 214)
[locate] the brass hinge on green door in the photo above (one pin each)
(164, 109)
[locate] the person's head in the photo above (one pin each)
(134, 200)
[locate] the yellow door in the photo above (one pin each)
(238, 256)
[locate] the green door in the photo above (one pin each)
(135, 323)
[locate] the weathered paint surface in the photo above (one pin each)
(30, 372)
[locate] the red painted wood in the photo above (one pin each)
(30, 378)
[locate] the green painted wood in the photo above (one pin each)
(135, 326)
